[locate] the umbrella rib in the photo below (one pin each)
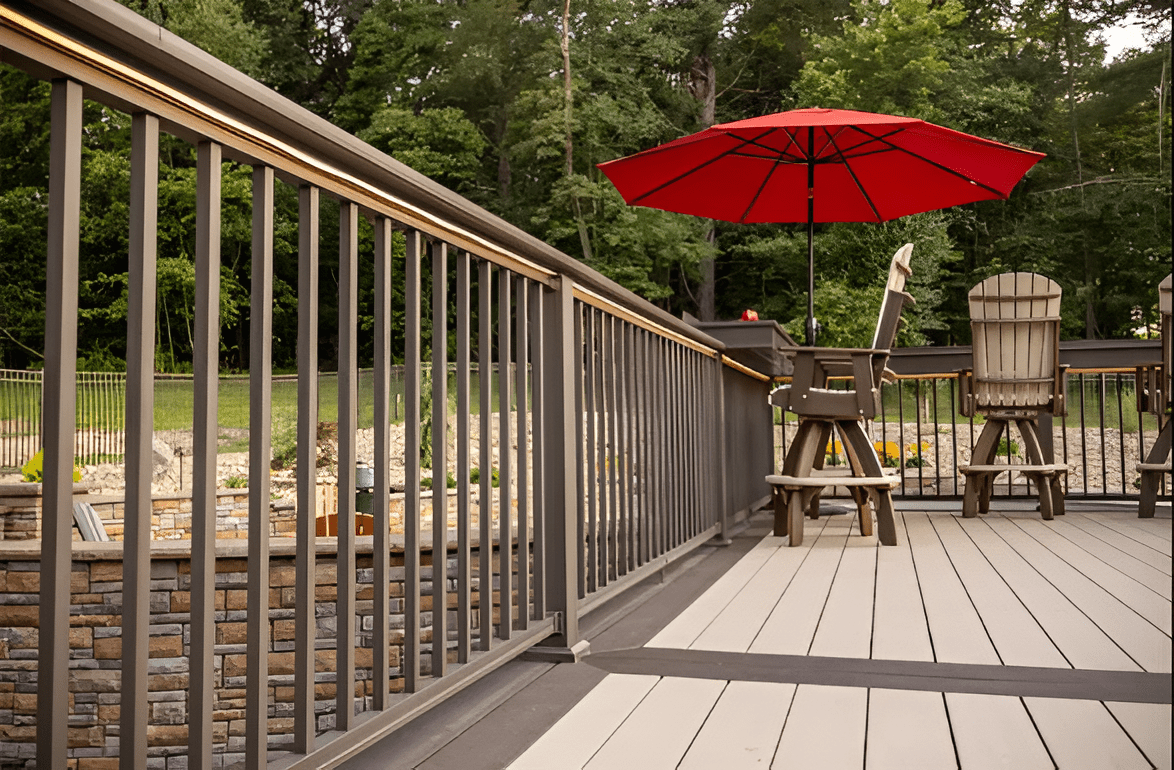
(758, 192)
(852, 173)
(779, 154)
(698, 167)
(871, 139)
(939, 166)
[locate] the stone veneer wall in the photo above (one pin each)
(171, 515)
(96, 646)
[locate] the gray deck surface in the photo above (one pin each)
(997, 642)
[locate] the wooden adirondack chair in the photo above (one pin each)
(1154, 396)
(820, 409)
(1016, 376)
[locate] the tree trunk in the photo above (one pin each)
(568, 102)
(703, 86)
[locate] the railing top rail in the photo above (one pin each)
(135, 65)
(1078, 355)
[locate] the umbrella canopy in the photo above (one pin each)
(819, 165)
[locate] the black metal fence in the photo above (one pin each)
(921, 430)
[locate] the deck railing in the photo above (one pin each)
(630, 429)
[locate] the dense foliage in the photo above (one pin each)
(512, 103)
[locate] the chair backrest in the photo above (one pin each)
(1015, 323)
(894, 301)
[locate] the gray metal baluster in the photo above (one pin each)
(611, 464)
(642, 439)
(522, 348)
(660, 441)
(464, 576)
(381, 520)
(581, 454)
(439, 459)
(633, 526)
(205, 366)
(591, 460)
(504, 446)
(411, 661)
(140, 406)
(537, 346)
(485, 521)
(260, 428)
(348, 405)
(58, 415)
(305, 625)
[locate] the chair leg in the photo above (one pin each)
(779, 499)
(1043, 488)
(864, 511)
(1057, 485)
(976, 495)
(799, 461)
(1152, 480)
(885, 518)
(821, 447)
(1035, 455)
(865, 460)
(795, 514)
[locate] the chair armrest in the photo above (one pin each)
(1060, 396)
(966, 392)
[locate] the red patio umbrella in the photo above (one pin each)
(819, 165)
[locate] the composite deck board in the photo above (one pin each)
(1145, 531)
(1082, 734)
(1017, 637)
(845, 628)
(1123, 562)
(791, 626)
(955, 627)
(575, 738)
(1139, 597)
(1083, 644)
(686, 627)
(1139, 638)
(1148, 724)
(744, 728)
(1000, 589)
(1129, 545)
(899, 627)
(739, 622)
(995, 731)
(825, 729)
(907, 729)
(659, 731)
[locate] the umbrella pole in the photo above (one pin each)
(810, 341)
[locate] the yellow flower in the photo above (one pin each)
(913, 449)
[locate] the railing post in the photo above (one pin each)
(140, 403)
(260, 422)
(60, 396)
(202, 689)
(719, 441)
(559, 488)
